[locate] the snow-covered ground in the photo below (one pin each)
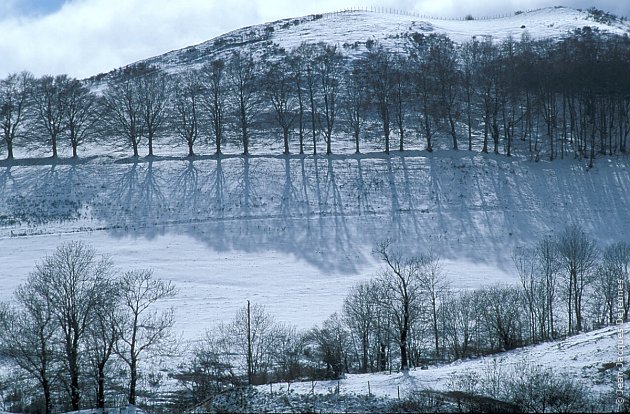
(587, 358)
(294, 233)
(350, 30)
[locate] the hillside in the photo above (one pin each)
(350, 30)
(282, 230)
(587, 358)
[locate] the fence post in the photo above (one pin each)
(369, 390)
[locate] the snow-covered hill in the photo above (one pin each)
(350, 30)
(588, 358)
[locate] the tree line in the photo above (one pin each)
(557, 97)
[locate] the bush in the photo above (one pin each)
(535, 389)
(601, 16)
(421, 401)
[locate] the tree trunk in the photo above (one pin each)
(9, 149)
(453, 132)
(54, 146)
(100, 386)
(364, 362)
(150, 137)
(404, 359)
(47, 394)
(286, 139)
(133, 379)
(134, 144)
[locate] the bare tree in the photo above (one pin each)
(612, 279)
(101, 340)
(142, 328)
(296, 62)
(50, 104)
(360, 314)
(402, 293)
(27, 337)
(253, 335)
(501, 313)
(304, 62)
(435, 286)
(549, 266)
(80, 113)
(279, 85)
(381, 83)
(425, 92)
(330, 346)
(241, 71)
(15, 98)
(443, 68)
(461, 318)
(77, 283)
(188, 91)
(214, 81)
(154, 96)
(533, 288)
(354, 104)
(125, 111)
(329, 67)
(578, 254)
(400, 98)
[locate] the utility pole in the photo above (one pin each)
(249, 344)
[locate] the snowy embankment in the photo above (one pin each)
(587, 358)
(294, 233)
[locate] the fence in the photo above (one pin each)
(394, 11)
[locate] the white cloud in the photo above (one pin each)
(86, 37)
(90, 36)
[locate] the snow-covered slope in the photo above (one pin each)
(350, 30)
(587, 358)
(294, 233)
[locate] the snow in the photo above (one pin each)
(295, 233)
(582, 357)
(350, 30)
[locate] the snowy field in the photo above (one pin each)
(295, 233)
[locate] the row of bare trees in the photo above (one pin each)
(75, 320)
(557, 97)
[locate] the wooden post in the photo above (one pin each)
(369, 390)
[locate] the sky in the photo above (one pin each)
(82, 38)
